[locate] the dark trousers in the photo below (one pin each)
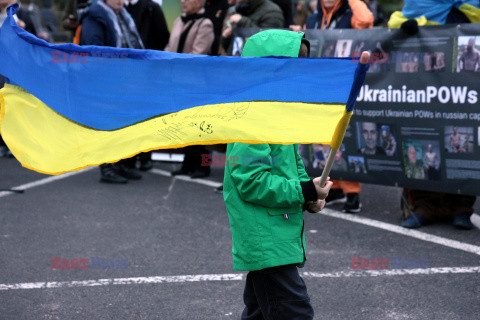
(193, 159)
(277, 293)
(439, 205)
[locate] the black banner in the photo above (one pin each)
(417, 118)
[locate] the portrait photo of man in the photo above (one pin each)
(413, 161)
(368, 139)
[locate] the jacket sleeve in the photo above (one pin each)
(204, 38)
(362, 17)
(256, 184)
(93, 33)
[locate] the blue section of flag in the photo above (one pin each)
(111, 88)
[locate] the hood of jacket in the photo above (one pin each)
(280, 43)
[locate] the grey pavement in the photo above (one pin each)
(166, 228)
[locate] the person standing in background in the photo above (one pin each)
(216, 11)
(192, 33)
(423, 207)
(152, 27)
(150, 22)
(107, 23)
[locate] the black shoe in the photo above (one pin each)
(353, 204)
(414, 221)
(199, 174)
(219, 189)
(146, 165)
(335, 196)
(128, 173)
(110, 175)
(462, 221)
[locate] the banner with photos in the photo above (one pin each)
(417, 118)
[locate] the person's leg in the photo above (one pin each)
(126, 168)
(145, 161)
(282, 294)
(461, 207)
(188, 162)
(352, 190)
(200, 171)
(252, 309)
(420, 205)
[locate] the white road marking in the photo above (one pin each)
(205, 182)
(124, 281)
(393, 272)
(233, 277)
(403, 231)
(44, 181)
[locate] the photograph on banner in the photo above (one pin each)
(316, 155)
(327, 49)
(357, 164)
(458, 139)
(431, 159)
(376, 139)
(413, 62)
(320, 154)
(413, 159)
(379, 57)
(406, 62)
(468, 54)
(343, 48)
(433, 61)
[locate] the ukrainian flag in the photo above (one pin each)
(434, 12)
(67, 107)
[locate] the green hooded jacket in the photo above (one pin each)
(262, 189)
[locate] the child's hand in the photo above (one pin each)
(322, 192)
(316, 206)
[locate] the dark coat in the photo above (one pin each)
(151, 24)
(216, 10)
(261, 14)
(97, 28)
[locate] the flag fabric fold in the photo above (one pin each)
(66, 107)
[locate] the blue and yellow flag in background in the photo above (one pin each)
(66, 107)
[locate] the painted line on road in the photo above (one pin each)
(205, 182)
(393, 272)
(232, 277)
(44, 181)
(124, 281)
(403, 231)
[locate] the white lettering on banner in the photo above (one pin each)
(443, 94)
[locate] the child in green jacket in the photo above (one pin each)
(265, 195)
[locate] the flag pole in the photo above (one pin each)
(333, 151)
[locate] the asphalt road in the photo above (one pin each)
(168, 245)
